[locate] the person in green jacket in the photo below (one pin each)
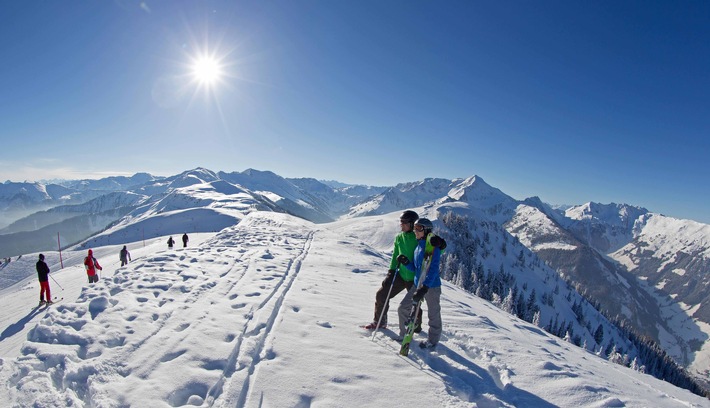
(399, 277)
(427, 283)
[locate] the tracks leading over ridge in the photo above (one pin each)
(201, 317)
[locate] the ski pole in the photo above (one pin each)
(384, 307)
(55, 281)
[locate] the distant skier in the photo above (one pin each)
(43, 275)
(171, 242)
(91, 265)
(184, 240)
(125, 256)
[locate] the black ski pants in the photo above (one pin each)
(382, 301)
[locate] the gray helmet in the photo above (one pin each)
(409, 216)
(424, 222)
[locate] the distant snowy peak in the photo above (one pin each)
(428, 184)
(403, 196)
(259, 173)
(480, 195)
(216, 193)
(264, 181)
(667, 236)
(335, 184)
(311, 185)
(104, 202)
(622, 215)
(192, 177)
(606, 227)
(113, 183)
(554, 212)
(361, 191)
(32, 191)
(475, 189)
(537, 231)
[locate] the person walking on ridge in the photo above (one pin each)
(125, 256)
(171, 242)
(184, 240)
(91, 265)
(43, 275)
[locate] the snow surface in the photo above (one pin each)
(267, 314)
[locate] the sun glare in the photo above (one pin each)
(207, 70)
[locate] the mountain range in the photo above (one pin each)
(641, 269)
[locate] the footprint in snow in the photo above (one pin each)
(327, 325)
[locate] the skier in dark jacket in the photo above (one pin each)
(125, 256)
(43, 275)
(184, 240)
(171, 242)
(404, 244)
(429, 247)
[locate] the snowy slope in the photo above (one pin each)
(266, 314)
(654, 269)
(672, 257)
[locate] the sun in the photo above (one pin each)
(207, 70)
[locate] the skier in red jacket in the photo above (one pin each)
(91, 265)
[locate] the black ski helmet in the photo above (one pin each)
(409, 216)
(424, 222)
(41, 257)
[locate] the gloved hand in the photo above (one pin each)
(419, 293)
(438, 242)
(403, 259)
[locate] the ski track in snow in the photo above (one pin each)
(204, 378)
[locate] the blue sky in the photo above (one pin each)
(570, 101)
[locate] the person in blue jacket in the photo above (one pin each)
(429, 247)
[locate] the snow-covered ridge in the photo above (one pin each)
(258, 316)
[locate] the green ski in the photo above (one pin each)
(407, 340)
